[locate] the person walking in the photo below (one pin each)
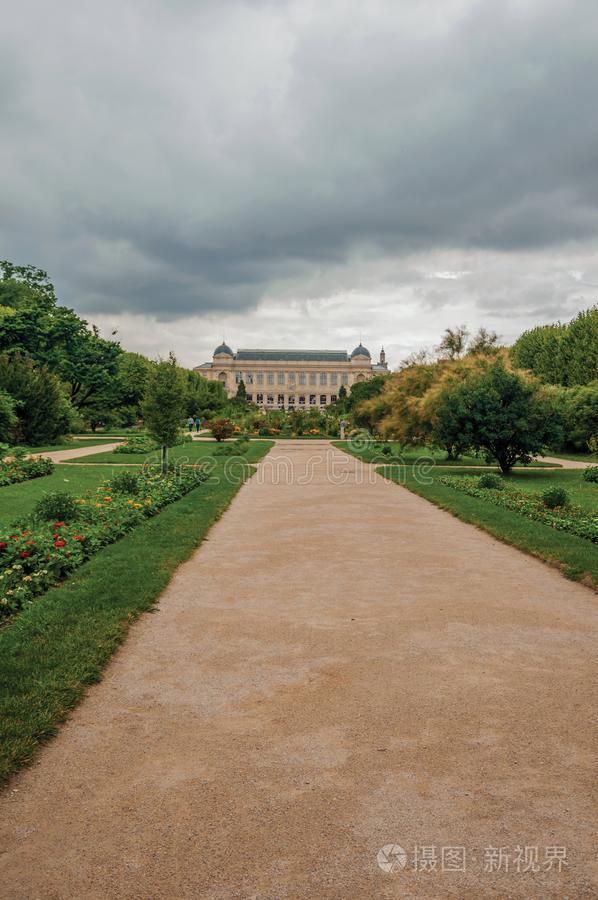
(190, 423)
(197, 423)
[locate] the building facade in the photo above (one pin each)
(291, 379)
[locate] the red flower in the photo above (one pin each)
(60, 543)
(25, 533)
(14, 537)
(3, 545)
(29, 543)
(55, 535)
(24, 554)
(58, 524)
(78, 537)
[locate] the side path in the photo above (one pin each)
(340, 666)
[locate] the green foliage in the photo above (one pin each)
(57, 505)
(241, 391)
(15, 467)
(579, 407)
(499, 413)
(125, 483)
(42, 410)
(164, 404)
(222, 429)
(8, 417)
(561, 354)
(554, 497)
(137, 444)
(491, 481)
(591, 474)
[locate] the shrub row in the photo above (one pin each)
(568, 517)
(39, 553)
(16, 469)
(145, 444)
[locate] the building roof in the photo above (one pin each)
(360, 351)
(293, 355)
(223, 348)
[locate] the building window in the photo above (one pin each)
(333, 398)
(334, 378)
(301, 377)
(238, 377)
(260, 377)
(249, 378)
(291, 399)
(281, 400)
(302, 400)
(260, 398)
(292, 377)
(312, 399)
(322, 399)
(345, 378)
(281, 377)
(270, 399)
(250, 398)
(323, 378)
(312, 378)
(270, 377)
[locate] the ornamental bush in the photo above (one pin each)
(591, 474)
(125, 483)
(554, 498)
(491, 481)
(137, 444)
(14, 467)
(222, 429)
(56, 505)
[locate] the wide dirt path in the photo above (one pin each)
(58, 456)
(341, 666)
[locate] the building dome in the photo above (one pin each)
(361, 351)
(223, 350)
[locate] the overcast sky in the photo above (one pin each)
(302, 174)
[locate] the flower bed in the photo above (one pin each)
(570, 518)
(17, 468)
(38, 555)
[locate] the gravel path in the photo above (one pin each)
(59, 456)
(340, 667)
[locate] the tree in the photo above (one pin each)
(396, 411)
(483, 343)
(342, 394)
(8, 417)
(561, 354)
(241, 392)
(222, 429)
(453, 342)
(163, 406)
(508, 417)
(43, 412)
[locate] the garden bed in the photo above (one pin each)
(570, 518)
(38, 554)
(16, 469)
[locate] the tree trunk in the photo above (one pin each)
(164, 459)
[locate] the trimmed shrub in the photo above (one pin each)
(137, 444)
(591, 474)
(491, 481)
(554, 497)
(125, 483)
(57, 505)
(222, 429)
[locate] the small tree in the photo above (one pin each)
(453, 342)
(241, 392)
(8, 417)
(222, 429)
(510, 418)
(163, 406)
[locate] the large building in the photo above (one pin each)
(291, 379)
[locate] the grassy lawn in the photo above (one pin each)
(60, 644)
(372, 455)
(183, 453)
(17, 500)
(576, 557)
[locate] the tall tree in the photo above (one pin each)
(163, 406)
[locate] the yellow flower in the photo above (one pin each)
(107, 499)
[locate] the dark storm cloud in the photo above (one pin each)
(185, 158)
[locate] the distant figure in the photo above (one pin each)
(197, 423)
(190, 421)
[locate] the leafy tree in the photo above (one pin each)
(222, 429)
(8, 417)
(561, 354)
(241, 392)
(501, 413)
(453, 343)
(43, 412)
(163, 406)
(342, 394)
(483, 343)
(24, 286)
(396, 411)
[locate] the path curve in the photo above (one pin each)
(567, 463)
(58, 456)
(342, 666)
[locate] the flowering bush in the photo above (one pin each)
(34, 558)
(591, 474)
(16, 467)
(571, 518)
(137, 444)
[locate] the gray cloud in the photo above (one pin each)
(178, 159)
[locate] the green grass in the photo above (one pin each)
(576, 557)
(184, 452)
(372, 455)
(54, 649)
(18, 500)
